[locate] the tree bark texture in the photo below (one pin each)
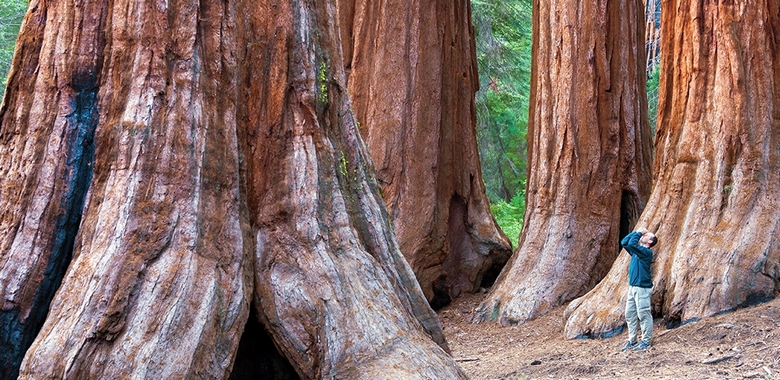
(32, 265)
(331, 284)
(715, 199)
(412, 76)
(192, 158)
(115, 108)
(589, 155)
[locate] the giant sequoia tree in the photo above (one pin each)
(588, 155)
(715, 201)
(412, 76)
(194, 158)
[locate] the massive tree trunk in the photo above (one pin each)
(193, 157)
(714, 202)
(160, 275)
(337, 294)
(412, 76)
(588, 155)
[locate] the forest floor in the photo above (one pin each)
(744, 344)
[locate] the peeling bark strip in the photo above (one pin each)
(331, 285)
(412, 78)
(589, 155)
(715, 200)
(160, 281)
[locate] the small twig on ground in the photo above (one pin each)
(461, 360)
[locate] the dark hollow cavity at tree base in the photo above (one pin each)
(257, 357)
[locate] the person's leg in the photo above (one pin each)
(631, 314)
(644, 313)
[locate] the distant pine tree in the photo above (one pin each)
(503, 41)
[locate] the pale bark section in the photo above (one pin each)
(332, 286)
(589, 155)
(160, 282)
(715, 202)
(412, 77)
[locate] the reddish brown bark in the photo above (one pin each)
(24, 288)
(412, 76)
(331, 284)
(714, 202)
(588, 155)
(193, 157)
(160, 276)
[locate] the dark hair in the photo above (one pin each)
(653, 241)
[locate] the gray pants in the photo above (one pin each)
(638, 312)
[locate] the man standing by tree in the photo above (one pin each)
(640, 281)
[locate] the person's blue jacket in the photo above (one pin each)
(641, 257)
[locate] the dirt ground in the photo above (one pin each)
(744, 344)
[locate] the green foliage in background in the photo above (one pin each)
(503, 40)
(652, 97)
(11, 14)
(510, 215)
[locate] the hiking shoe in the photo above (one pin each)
(628, 346)
(642, 346)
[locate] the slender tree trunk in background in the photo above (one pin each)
(588, 157)
(714, 202)
(652, 34)
(331, 284)
(412, 76)
(210, 146)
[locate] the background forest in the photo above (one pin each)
(503, 31)
(11, 13)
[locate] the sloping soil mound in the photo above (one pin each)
(739, 345)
